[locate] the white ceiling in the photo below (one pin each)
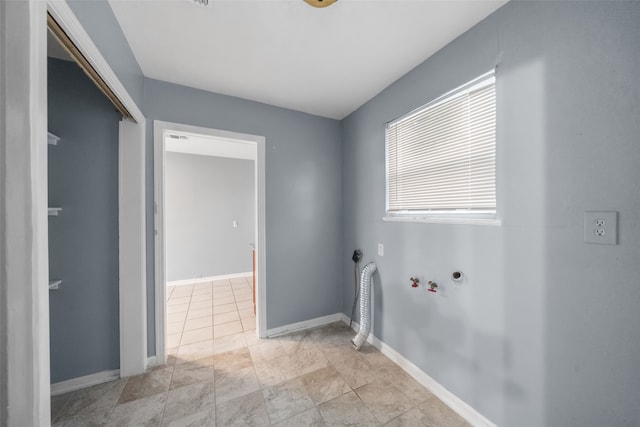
(286, 53)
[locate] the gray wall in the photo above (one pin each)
(204, 195)
(544, 329)
(83, 239)
(303, 195)
(98, 20)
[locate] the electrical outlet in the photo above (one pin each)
(601, 228)
(380, 249)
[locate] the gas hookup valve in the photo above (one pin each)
(432, 286)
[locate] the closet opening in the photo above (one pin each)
(96, 233)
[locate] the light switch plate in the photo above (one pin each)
(601, 228)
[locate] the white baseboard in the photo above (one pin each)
(83, 382)
(208, 279)
(307, 324)
(451, 400)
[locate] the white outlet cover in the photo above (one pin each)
(601, 228)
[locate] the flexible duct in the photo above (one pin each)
(365, 310)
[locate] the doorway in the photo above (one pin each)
(190, 268)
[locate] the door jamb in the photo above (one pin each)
(159, 128)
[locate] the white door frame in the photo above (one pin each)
(159, 129)
(131, 207)
(24, 264)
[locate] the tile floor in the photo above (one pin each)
(218, 373)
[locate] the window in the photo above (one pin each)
(441, 157)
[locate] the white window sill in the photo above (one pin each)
(436, 220)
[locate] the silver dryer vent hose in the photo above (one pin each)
(365, 310)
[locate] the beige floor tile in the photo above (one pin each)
(221, 283)
(347, 409)
(337, 352)
(179, 308)
(243, 296)
(224, 308)
(204, 418)
(182, 291)
(303, 379)
(248, 410)
(178, 301)
(309, 418)
(324, 384)
(276, 371)
(182, 378)
(384, 400)
(203, 285)
(286, 400)
(234, 384)
(92, 404)
(263, 350)
(176, 317)
(242, 305)
(356, 372)
(173, 340)
(246, 313)
(430, 413)
(225, 329)
(225, 317)
(221, 293)
(307, 361)
(57, 404)
(232, 360)
(252, 338)
(175, 327)
(201, 312)
(415, 392)
(184, 401)
(223, 300)
(147, 384)
(195, 305)
(195, 351)
(197, 335)
(142, 412)
(198, 322)
(239, 280)
(228, 343)
(249, 324)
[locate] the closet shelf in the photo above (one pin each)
(54, 284)
(52, 139)
(54, 211)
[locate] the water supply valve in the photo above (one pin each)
(415, 282)
(432, 286)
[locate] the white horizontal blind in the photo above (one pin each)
(441, 158)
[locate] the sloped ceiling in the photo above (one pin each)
(326, 62)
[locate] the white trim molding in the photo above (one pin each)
(132, 248)
(304, 325)
(458, 405)
(74, 384)
(24, 271)
(208, 279)
(64, 16)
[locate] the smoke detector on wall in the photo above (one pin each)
(320, 3)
